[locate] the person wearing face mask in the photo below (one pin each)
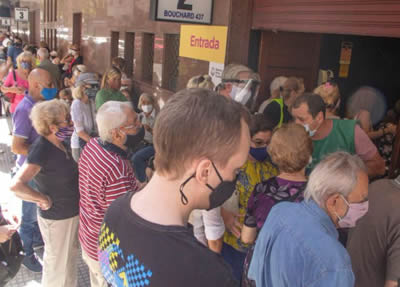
(148, 104)
(256, 169)
(331, 135)
(279, 108)
(290, 149)
(13, 52)
(298, 244)
(110, 88)
(239, 83)
(198, 152)
(70, 60)
(374, 243)
(51, 166)
(105, 173)
(16, 82)
(40, 88)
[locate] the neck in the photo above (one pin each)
(296, 176)
(323, 130)
(36, 97)
(165, 200)
(55, 141)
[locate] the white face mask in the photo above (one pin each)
(70, 51)
(241, 95)
(147, 108)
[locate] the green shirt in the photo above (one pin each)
(105, 95)
(341, 138)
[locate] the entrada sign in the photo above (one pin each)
(187, 11)
(206, 43)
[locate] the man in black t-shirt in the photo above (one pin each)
(201, 140)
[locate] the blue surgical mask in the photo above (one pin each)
(49, 93)
(259, 153)
(26, 65)
(310, 132)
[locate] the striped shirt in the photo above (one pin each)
(105, 174)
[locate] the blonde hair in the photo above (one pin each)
(201, 81)
(329, 92)
(151, 99)
(28, 57)
(47, 113)
(78, 92)
(290, 148)
(110, 74)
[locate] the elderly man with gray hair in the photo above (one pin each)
(105, 174)
(298, 244)
(46, 64)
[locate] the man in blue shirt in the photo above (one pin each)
(298, 244)
(13, 53)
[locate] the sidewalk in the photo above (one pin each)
(24, 278)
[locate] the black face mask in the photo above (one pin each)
(218, 195)
(133, 140)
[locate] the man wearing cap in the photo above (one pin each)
(46, 64)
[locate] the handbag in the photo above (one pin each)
(11, 256)
(10, 97)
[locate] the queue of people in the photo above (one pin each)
(209, 190)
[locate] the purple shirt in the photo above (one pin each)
(268, 193)
(23, 125)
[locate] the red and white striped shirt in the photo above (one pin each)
(104, 175)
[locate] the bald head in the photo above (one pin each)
(39, 79)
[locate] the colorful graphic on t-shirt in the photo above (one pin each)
(118, 270)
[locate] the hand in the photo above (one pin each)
(391, 128)
(6, 232)
(46, 203)
(20, 90)
(232, 222)
(147, 128)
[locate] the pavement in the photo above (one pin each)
(25, 277)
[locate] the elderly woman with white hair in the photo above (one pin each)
(301, 239)
(81, 114)
(50, 165)
(105, 174)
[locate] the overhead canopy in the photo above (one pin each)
(369, 18)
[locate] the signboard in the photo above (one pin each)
(215, 72)
(206, 43)
(5, 21)
(186, 11)
(345, 59)
(21, 14)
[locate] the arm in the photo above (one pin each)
(22, 190)
(14, 89)
(77, 118)
(214, 229)
(390, 283)
(232, 222)
(83, 135)
(368, 152)
(19, 145)
(248, 234)
(216, 245)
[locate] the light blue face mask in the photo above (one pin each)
(26, 65)
(49, 93)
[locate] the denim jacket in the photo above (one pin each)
(298, 246)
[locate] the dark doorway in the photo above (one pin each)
(375, 62)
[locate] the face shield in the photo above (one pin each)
(243, 91)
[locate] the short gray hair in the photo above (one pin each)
(232, 71)
(43, 53)
(337, 173)
(277, 83)
(110, 116)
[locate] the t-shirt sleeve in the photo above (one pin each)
(250, 219)
(37, 153)
(214, 226)
(273, 112)
(393, 255)
(22, 124)
(365, 148)
(77, 117)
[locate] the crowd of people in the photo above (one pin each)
(215, 188)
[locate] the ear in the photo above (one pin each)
(203, 171)
(116, 135)
(320, 117)
(331, 204)
(53, 128)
